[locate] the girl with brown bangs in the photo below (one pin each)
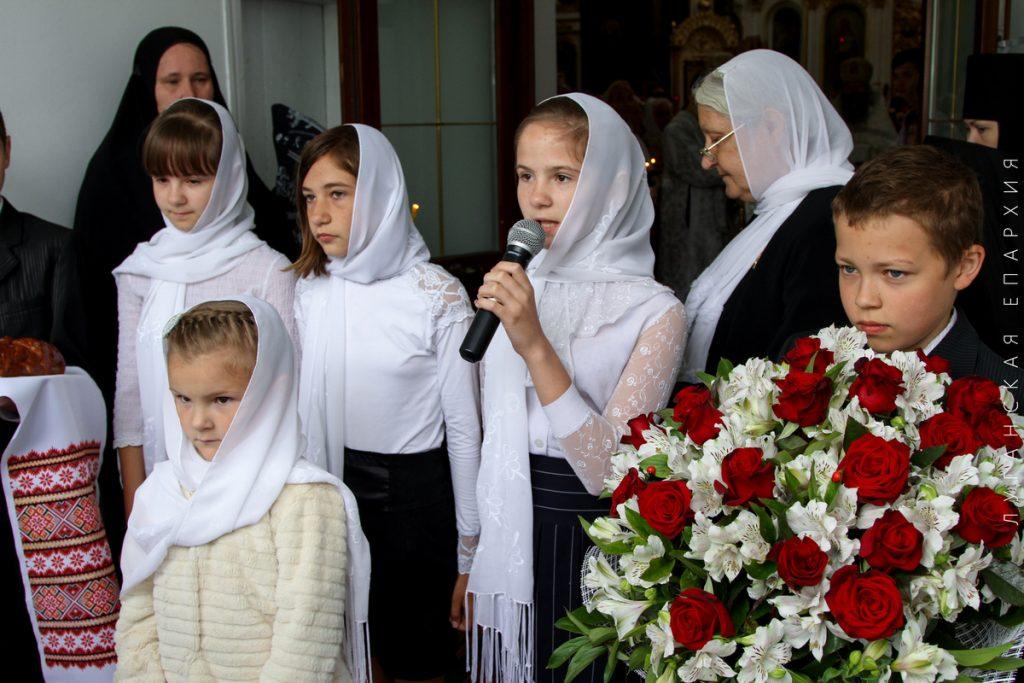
(206, 250)
(386, 402)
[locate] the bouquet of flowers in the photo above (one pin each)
(826, 518)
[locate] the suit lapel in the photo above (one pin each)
(10, 235)
(960, 348)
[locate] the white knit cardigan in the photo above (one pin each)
(265, 602)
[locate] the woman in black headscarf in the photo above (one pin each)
(116, 209)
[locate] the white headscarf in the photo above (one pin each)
(600, 266)
(383, 243)
(256, 458)
(791, 141)
(174, 259)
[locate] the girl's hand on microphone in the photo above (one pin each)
(508, 294)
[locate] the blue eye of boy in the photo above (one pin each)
(895, 274)
(846, 270)
(223, 400)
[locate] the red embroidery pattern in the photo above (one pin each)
(70, 568)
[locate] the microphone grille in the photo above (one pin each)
(527, 234)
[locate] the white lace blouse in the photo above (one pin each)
(406, 386)
(260, 273)
(584, 424)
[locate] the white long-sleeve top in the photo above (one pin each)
(585, 423)
(406, 386)
(259, 273)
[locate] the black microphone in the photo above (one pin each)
(525, 240)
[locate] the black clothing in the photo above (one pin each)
(38, 283)
(968, 356)
(559, 548)
(989, 93)
(982, 301)
(793, 286)
(407, 511)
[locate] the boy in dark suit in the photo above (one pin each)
(908, 239)
(38, 283)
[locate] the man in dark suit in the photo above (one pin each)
(38, 282)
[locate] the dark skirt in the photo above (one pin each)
(559, 545)
(407, 512)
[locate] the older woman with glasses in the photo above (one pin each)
(777, 143)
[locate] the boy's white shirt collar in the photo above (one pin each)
(942, 335)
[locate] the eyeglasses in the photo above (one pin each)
(706, 152)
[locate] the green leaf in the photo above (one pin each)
(929, 455)
(564, 651)
(584, 629)
(659, 569)
(565, 623)
(1002, 587)
(660, 463)
(1004, 664)
(707, 379)
(834, 371)
(854, 430)
(765, 524)
(761, 571)
(830, 492)
(638, 657)
(583, 658)
(1015, 617)
(638, 523)
(979, 656)
(799, 677)
(788, 430)
(725, 366)
(740, 610)
(816, 446)
(697, 570)
(964, 679)
(792, 483)
(793, 442)
(609, 667)
(602, 634)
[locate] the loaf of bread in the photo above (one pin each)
(25, 357)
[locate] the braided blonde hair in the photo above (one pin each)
(216, 326)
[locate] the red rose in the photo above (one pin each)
(804, 398)
(665, 505)
(877, 468)
(746, 477)
(996, 430)
(892, 543)
(696, 617)
(987, 517)
(801, 562)
(696, 416)
(637, 426)
(877, 385)
(630, 486)
(949, 430)
(936, 364)
(970, 397)
(799, 357)
(865, 605)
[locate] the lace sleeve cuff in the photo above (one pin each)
(567, 413)
(467, 551)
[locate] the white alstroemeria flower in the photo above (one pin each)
(746, 529)
(769, 653)
(926, 595)
(870, 513)
(998, 469)
(634, 564)
(919, 662)
(933, 518)
(960, 473)
(708, 663)
(749, 393)
(828, 528)
(659, 632)
(922, 390)
(803, 616)
(621, 463)
(1017, 550)
(817, 467)
(674, 448)
(960, 582)
(847, 343)
(612, 529)
(758, 588)
(600, 576)
(623, 611)
(703, 475)
(716, 546)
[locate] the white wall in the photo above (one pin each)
(65, 64)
